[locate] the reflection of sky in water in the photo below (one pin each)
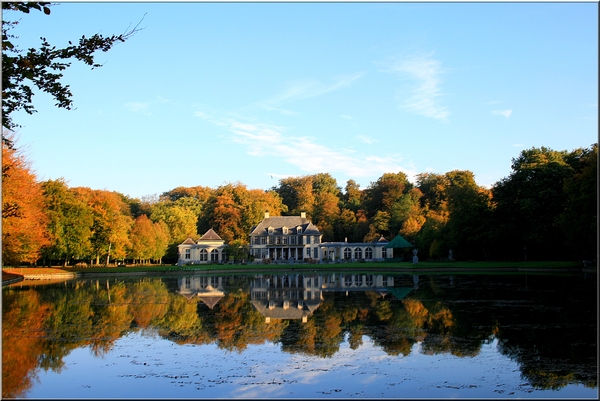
(147, 366)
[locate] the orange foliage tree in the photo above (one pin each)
(24, 222)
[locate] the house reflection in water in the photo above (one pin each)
(297, 296)
(289, 296)
(208, 289)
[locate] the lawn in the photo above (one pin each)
(389, 266)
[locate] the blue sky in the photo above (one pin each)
(212, 93)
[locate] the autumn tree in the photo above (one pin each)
(297, 194)
(111, 224)
(24, 221)
(142, 239)
(42, 69)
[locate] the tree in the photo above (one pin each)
(297, 194)
(469, 207)
(42, 68)
(24, 220)
(112, 223)
(382, 194)
(353, 196)
(70, 223)
(529, 202)
(579, 220)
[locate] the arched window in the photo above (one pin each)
(357, 253)
(369, 253)
(347, 253)
(203, 255)
(369, 280)
(214, 255)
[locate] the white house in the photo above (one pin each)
(295, 237)
(285, 237)
(210, 248)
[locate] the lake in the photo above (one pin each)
(311, 334)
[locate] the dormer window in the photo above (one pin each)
(270, 230)
(284, 230)
(299, 230)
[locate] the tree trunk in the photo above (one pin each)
(108, 254)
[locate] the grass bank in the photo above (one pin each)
(365, 267)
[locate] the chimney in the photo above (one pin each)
(266, 214)
(303, 215)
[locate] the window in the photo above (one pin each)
(308, 239)
(285, 240)
(384, 252)
(299, 230)
(284, 230)
(369, 253)
(308, 252)
(358, 253)
(214, 255)
(278, 240)
(369, 280)
(347, 253)
(203, 255)
(270, 230)
(293, 240)
(316, 239)
(187, 254)
(263, 240)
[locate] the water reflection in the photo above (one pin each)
(546, 324)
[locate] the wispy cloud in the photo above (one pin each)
(144, 107)
(138, 107)
(366, 139)
(426, 93)
(306, 89)
(505, 113)
(306, 153)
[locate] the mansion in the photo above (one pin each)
(283, 238)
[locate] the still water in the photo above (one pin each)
(302, 335)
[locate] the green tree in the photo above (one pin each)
(529, 202)
(42, 68)
(579, 220)
(70, 223)
(382, 194)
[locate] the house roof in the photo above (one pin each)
(381, 240)
(188, 241)
(210, 235)
(291, 222)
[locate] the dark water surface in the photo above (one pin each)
(302, 335)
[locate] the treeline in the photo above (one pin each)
(546, 209)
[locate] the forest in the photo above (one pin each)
(546, 209)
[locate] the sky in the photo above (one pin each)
(215, 93)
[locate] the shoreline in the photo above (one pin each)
(11, 276)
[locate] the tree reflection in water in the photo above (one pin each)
(547, 324)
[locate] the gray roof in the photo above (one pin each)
(210, 235)
(291, 222)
